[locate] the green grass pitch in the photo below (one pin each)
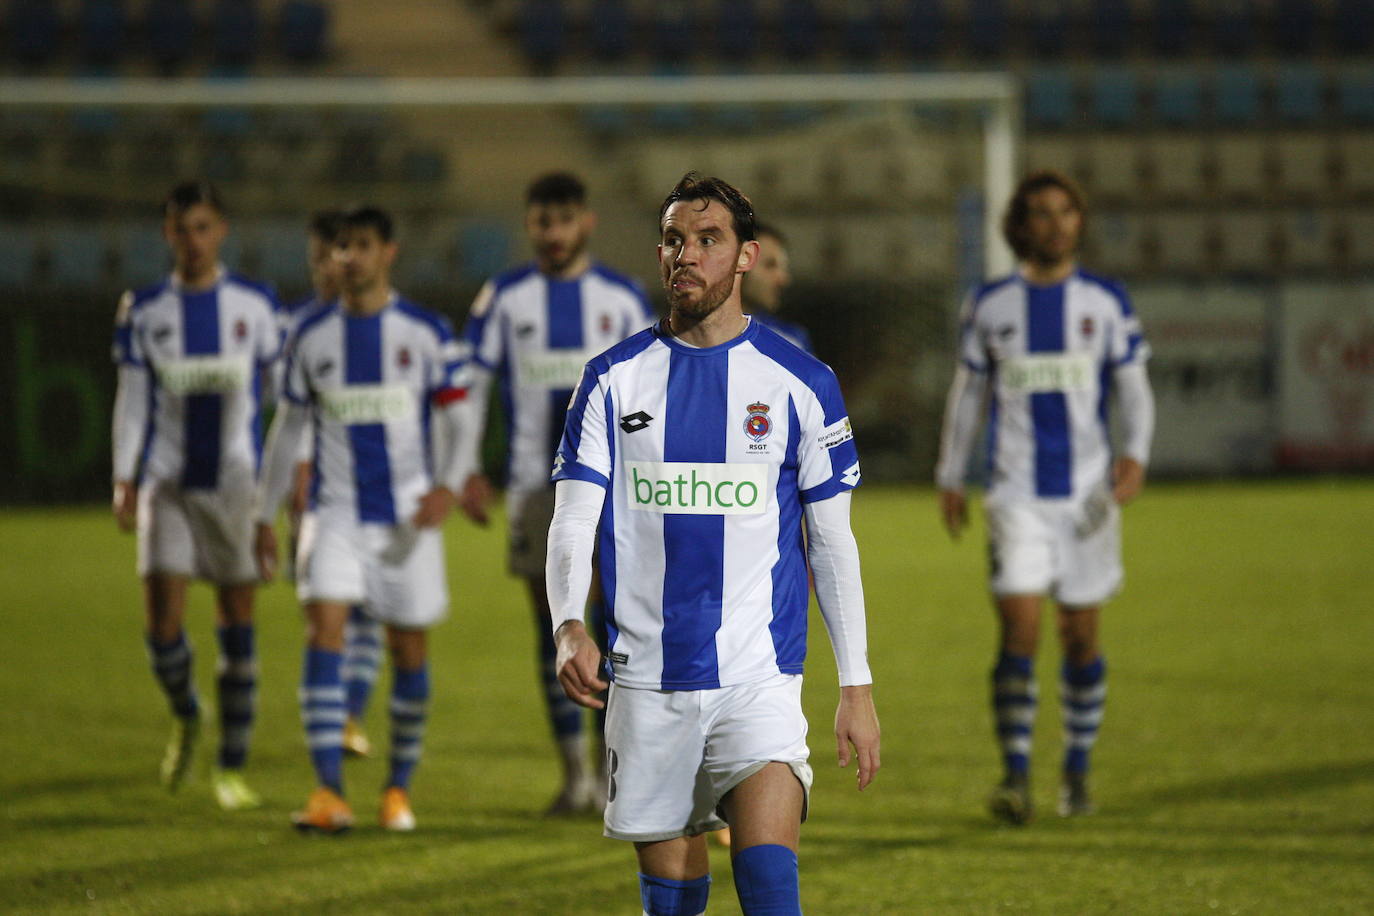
(1235, 772)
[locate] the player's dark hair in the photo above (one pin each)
(1014, 220)
(368, 217)
(761, 229)
(190, 193)
(556, 188)
(695, 187)
(326, 224)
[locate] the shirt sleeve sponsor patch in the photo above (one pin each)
(835, 434)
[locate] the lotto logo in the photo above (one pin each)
(687, 488)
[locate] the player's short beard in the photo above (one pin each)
(575, 250)
(712, 298)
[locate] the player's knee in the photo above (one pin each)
(766, 881)
(666, 897)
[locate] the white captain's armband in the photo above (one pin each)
(204, 374)
(366, 403)
(691, 488)
(835, 434)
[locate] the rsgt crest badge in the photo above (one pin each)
(757, 426)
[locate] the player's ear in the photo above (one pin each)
(748, 256)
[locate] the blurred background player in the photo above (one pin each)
(761, 289)
(535, 327)
(710, 607)
(362, 634)
(193, 353)
(1043, 349)
(370, 373)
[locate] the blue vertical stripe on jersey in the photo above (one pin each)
(204, 412)
(606, 535)
(563, 317)
(1049, 409)
(694, 545)
(371, 465)
(788, 626)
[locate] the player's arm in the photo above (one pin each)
(475, 491)
(833, 556)
(278, 472)
(568, 578)
(456, 460)
(129, 427)
(1137, 404)
(963, 411)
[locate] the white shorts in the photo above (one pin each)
(395, 571)
(674, 754)
(206, 534)
(531, 513)
(1070, 550)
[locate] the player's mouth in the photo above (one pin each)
(682, 281)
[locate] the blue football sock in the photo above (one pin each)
(172, 667)
(237, 687)
(1014, 694)
(1083, 694)
(322, 709)
(666, 897)
(362, 659)
(766, 881)
(409, 693)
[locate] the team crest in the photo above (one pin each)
(403, 358)
(605, 323)
(1087, 327)
(757, 426)
(240, 329)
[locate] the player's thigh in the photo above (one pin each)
(530, 517)
(165, 542)
(657, 788)
(753, 725)
(329, 560)
(1091, 570)
(1021, 549)
(222, 529)
(409, 590)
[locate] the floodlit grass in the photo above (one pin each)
(1235, 773)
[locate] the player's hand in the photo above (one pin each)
(125, 504)
(475, 499)
(434, 508)
(856, 725)
(579, 665)
(265, 551)
(954, 511)
(1128, 479)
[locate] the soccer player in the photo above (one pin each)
(534, 327)
(193, 353)
(370, 375)
(762, 287)
(692, 452)
(362, 634)
(1040, 352)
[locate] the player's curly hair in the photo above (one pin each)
(368, 216)
(556, 188)
(694, 186)
(188, 194)
(1014, 220)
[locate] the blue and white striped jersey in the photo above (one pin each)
(537, 333)
(370, 382)
(708, 456)
(1049, 352)
(205, 353)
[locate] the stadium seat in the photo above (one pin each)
(1115, 97)
(1050, 98)
(1303, 159)
(1298, 94)
(1178, 98)
(1115, 166)
(281, 251)
(1358, 228)
(303, 30)
(423, 166)
(1111, 27)
(1235, 27)
(1117, 239)
(18, 256)
(922, 171)
(1242, 164)
(483, 250)
(170, 29)
(1353, 26)
(1236, 95)
(925, 28)
(799, 29)
(674, 32)
(1294, 27)
(862, 30)
(1051, 151)
(1355, 96)
(1245, 241)
(142, 253)
(1172, 28)
(234, 28)
(35, 29)
(1357, 160)
(737, 31)
(1307, 240)
(77, 255)
(100, 27)
(1178, 166)
(987, 28)
(90, 138)
(1183, 241)
(1049, 25)
(610, 30)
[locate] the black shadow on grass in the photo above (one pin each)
(1256, 786)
